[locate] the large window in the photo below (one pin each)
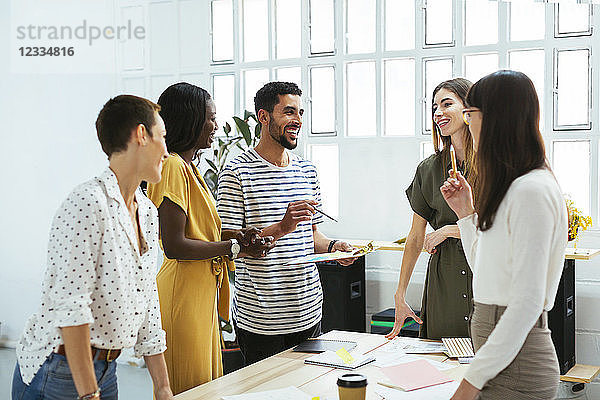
(368, 68)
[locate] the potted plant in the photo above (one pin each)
(244, 139)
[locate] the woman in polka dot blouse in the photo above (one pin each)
(99, 293)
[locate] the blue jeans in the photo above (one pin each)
(53, 381)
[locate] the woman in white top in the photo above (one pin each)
(99, 291)
(514, 240)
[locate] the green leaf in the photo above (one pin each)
(227, 128)
(247, 115)
(244, 130)
(212, 165)
(254, 117)
(257, 132)
(211, 180)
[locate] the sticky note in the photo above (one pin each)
(345, 356)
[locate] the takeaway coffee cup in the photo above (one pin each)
(352, 387)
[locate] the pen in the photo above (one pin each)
(453, 158)
(331, 218)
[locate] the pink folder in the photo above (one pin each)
(415, 375)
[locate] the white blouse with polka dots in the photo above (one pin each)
(95, 275)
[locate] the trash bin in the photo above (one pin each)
(383, 322)
(572, 390)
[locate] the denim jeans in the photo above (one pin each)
(53, 381)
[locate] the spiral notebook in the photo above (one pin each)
(321, 345)
(331, 359)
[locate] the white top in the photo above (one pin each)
(270, 297)
(518, 264)
(95, 275)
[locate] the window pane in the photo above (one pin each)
(256, 30)
(572, 18)
(288, 28)
(322, 95)
(399, 25)
(572, 103)
(360, 92)
(253, 80)
(479, 65)
(426, 149)
(289, 74)
(322, 26)
(531, 63)
(360, 25)
(527, 20)
(399, 97)
(438, 22)
(571, 165)
(224, 97)
(326, 159)
(222, 30)
(481, 22)
(436, 71)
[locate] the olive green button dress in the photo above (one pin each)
(447, 295)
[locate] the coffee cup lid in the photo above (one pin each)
(352, 380)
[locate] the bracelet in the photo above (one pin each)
(330, 247)
(91, 396)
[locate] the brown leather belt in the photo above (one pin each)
(108, 355)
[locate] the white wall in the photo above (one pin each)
(49, 145)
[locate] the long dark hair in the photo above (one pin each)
(460, 87)
(510, 142)
(183, 108)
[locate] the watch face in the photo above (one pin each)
(235, 248)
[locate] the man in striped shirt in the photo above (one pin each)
(276, 305)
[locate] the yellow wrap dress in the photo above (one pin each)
(192, 293)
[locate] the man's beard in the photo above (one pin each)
(279, 136)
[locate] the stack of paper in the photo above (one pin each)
(408, 345)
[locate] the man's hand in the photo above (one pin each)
(297, 211)
(248, 236)
(343, 246)
(260, 247)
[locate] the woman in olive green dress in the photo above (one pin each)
(446, 303)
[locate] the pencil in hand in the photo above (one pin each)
(453, 158)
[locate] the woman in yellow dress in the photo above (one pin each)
(193, 285)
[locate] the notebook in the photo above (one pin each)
(459, 347)
(330, 359)
(321, 345)
(413, 375)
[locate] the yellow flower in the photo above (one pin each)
(576, 220)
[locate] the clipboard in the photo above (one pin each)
(336, 255)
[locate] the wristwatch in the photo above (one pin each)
(235, 249)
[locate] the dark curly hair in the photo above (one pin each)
(268, 95)
(119, 116)
(183, 108)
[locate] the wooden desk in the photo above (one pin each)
(288, 369)
(570, 253)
